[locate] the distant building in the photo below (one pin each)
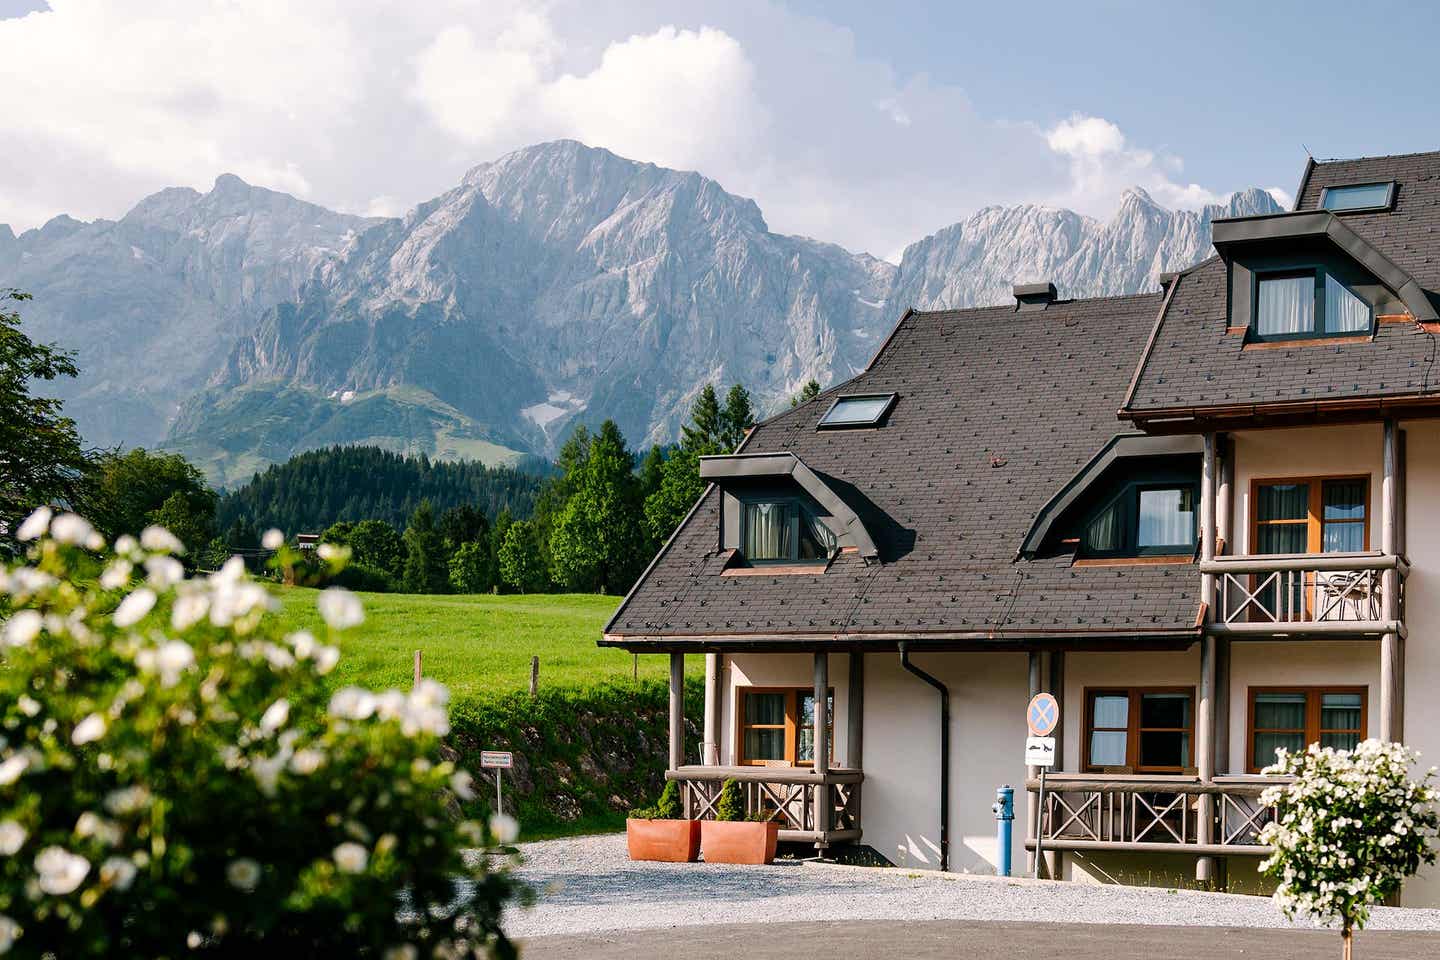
(307, 541)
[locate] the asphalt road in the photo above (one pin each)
(962, 940)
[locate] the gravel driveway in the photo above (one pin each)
(586, 885)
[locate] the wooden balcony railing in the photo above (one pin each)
(1306, 594)
(791, 796)
(1152, 814)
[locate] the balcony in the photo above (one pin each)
(1294, 595)
(1140, 814)
(797, 798)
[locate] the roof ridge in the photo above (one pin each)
(1055, 303)
(1381, 156)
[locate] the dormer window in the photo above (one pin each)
(1355, 197)
(1143, 520)
(858, 411)
(783, 530)
(1307, 303)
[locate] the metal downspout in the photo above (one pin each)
(944, 692)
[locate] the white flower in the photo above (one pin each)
(325, 659)
(61, 872)
(91, 825)
(303, 642)
(463, 785)
(173, 659)
(164, 571)
(23, 627)
(118, 872)
(405, 951)
(190, 608)
(159, 540)
(306, 762)
(89, 730)
(272, 539)
(72, 528)
(127, 546)
(28, 705)
(243, 874)
(12, 768)
(9, 933)
(340, 608)
(117, 574)
(134, 608)
(352, 703)
(127, 800)
(351, 857)
(333, 553)
(266, 771)
(12, 838)
(35, 525)
(504, 827)
(390, 705)
(275, 716)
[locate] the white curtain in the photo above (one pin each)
(767, 531)
(1287, 305)
(1343, 310)
(1167, 518)
(1103, 533)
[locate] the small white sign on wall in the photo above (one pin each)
(1039, 751)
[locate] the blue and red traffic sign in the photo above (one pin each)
(1043, 715)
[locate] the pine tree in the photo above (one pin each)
(736, 419)
(701, 435)
(680, 487)
(597, 542)
(426, 570)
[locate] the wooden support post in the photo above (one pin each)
(824, 804)
(1205, 710)
(1225, 495)
(710, 750)
(1205, 756)
(534, 676)
(1392, 656)
(677, 710)
(1032, 802)
(1222, 705)
(416, 679)
(855, 713)
(1055, 859)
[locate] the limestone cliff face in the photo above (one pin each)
(560, 283)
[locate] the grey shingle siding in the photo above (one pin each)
(1035, 392)
(1195, 363)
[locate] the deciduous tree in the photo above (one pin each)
(425, 567)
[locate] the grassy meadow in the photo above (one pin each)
(477, 645)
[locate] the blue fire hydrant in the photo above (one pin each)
(1004, 810)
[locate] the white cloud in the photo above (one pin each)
(1102, 165)
(372, 106)
(1284, 197)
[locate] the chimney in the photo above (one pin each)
(1034, 296)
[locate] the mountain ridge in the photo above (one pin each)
(557, 284)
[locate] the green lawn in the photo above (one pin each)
(476, 645)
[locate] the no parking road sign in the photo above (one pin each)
(1043, 715)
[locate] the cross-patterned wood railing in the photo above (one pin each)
(1326, 593)
(1135, 813)
(791, 796)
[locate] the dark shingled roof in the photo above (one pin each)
(1195, 364)
(997, 410)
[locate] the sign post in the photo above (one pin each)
(499, 761)
(1041, 717)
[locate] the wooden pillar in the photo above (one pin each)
(1055, 859)
(1225, 495)
(855, 713)
(1032, 802)
(824, 803)
(677, 710)
(710, 750)
(1222, 705)
(1205, 709)
(1392, 655)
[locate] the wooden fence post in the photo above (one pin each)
(417, 668)
(534, 675)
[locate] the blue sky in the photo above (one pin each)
(865, 124)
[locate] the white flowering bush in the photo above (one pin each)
(1349, 829)
(174, 777)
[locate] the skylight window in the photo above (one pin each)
(860, 411)
(1358, 196)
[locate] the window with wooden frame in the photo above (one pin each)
(777, 726)
(1139, 729)
(1295, 717)
(1308, 515)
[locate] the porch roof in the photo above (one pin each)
(997, 410)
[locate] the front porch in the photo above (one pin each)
(819, 808)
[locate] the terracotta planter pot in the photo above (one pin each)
(738, 841)
(669, 841)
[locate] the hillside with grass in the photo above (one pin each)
(590, 746)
